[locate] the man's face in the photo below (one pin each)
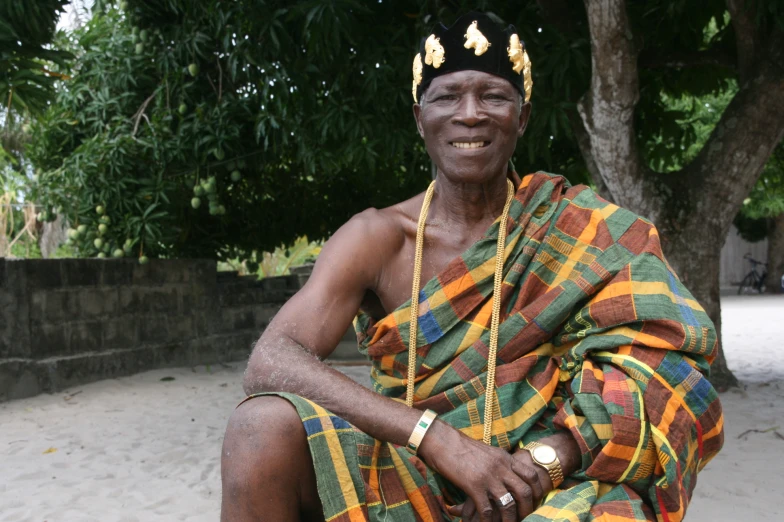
(470, 123)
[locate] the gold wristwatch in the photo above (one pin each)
(545, 456)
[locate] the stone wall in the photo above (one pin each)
(71, 321)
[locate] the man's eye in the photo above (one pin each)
(495, 97)
(446, 97)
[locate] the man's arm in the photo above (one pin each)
(309, 326)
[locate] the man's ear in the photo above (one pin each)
(522, 123)
(418, 118)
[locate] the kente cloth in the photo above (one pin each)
(597, 336)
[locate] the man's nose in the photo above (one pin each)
(468, 112)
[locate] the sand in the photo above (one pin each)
(742, 482)
(147, 448)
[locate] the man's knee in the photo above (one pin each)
(264, 424)
(265, 450)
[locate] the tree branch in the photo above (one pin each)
(747, 39)
(220, 79)
(556, 13)
(607, 109)
(138, 116)
(584, 142)
(749, 130)
(688, 59)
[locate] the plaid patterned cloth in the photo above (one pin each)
(597, 336)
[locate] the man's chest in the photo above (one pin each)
(396, 277)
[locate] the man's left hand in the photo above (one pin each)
(527, 500)
(531, 473)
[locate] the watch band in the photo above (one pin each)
(422, 425)
(553, 469)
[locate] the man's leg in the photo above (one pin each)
(266, 467)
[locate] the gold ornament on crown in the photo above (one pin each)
(475, 38)
(521, 63)
(528, 82)
(515, 51)
(434, 51)
(417, 75)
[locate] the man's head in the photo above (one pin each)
(471, 84)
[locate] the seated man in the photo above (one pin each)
(555, 364)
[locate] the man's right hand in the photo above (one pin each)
(484, 473)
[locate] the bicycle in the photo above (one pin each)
(753, 282)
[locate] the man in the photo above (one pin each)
(599, 408)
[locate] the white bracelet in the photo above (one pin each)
(423, 424)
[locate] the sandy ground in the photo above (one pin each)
(146, 448)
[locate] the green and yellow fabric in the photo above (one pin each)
(597, 336)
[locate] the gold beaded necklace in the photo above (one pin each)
(495, 318)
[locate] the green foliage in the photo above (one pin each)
(751, 229)
(135, 132)
(276, 263)
(219, 129)
(766, 199)
(283, 258)
(286, 107)
(25, 30)
(685, 124)
(28, 72)
(26, 248)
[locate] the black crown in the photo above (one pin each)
(448, 54)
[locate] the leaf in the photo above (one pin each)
(50, 450)
(167, 379)
(149, 210)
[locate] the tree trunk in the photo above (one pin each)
(693, 208)
(696, 258)
(775, 255)
(52, 236)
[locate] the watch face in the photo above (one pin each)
(544, 454)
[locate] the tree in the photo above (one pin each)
(25, 30)
(692, 208)
(192, 139)
(26, 87)
(260, 112)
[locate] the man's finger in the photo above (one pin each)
(530, 476)
(505, 502)
(484, 509)
(469, 511)
(523, 495)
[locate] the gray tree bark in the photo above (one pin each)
(775, 255)
(693, 209)
(52, 236)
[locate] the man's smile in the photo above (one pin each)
(469, 144)
(472, 142)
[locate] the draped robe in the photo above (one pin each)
(597, 336)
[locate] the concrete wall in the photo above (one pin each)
(71, 321)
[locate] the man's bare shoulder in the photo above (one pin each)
(383, 230)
